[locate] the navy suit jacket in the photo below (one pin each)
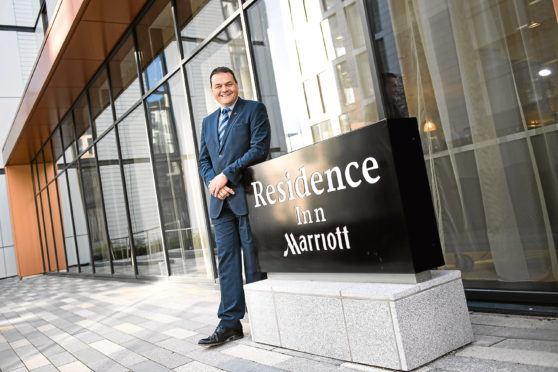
(245, 143)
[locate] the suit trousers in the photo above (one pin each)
(232, 232)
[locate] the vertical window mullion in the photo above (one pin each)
(151, 157)
(122, 177)
(58, 202)
(373, 55)
(69, 198)
(37, 213)
(83, 200)
(99, 182)
(50, 212)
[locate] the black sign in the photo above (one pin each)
(356, 203)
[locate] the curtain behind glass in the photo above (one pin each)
(487, 119)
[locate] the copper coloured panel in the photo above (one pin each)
(94, 40)
(113, 11)
(79, 40)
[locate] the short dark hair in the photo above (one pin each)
(219, 70)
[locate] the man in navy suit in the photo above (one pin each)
(233, 137)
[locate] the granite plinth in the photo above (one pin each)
(397, 326)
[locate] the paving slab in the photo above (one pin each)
(42, 323)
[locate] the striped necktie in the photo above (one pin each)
(223, 123)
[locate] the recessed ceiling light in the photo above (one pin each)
(545, 72)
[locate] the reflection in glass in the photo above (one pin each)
(44, 243)
(58, 151)
(124, 77)
(83, 124)
(80, 223)
(157, 43)
(67, 131)
(51, 256)
(313, 98)
(57, 224)
(198, 19)
(142, 199)
(327, 90)
(99, 99)
(367, 87)
(186, 236)
(322, 131)
(71, 251)
(355, 26)
(469, 72)
(95, 214)
(115, 206)
(333, 38)
(227, 49)
(344, 78)
(328, 4)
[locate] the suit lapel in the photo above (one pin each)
(213, 122)
(232, 121)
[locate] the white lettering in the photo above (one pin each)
(350, 181)
(258, 194)
(340, 184)
(302, 177)
(366, 170)
(269, 191)
(313, 182)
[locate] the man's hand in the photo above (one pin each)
(218, 187)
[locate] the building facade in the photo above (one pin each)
(101, 157)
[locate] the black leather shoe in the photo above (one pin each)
(222, 335)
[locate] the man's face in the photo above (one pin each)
(224, 88)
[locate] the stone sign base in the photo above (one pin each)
(397, 326)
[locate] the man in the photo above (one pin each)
(233, 137)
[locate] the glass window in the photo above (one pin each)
(99, 98)
(328, 4)
(44, 241)
(71, 251)
(80, 222)
(178, 181)
(67, 131)
(157, 43)
(322, 131)
(344, 78)
(95, 213)
(313, 99)
(57, 224)
(142, 199)
(199, 18)
(333, 38)
(124, 78)
(83, 124)
(366, 84)
(115, 205)
(352, 16)
(227, 49)
(481, 79)
(51, 258)
(49, 160)
(41, 168)
(58, 150)
(297, 12)
(330, 87)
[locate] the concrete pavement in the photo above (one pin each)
(61, 323)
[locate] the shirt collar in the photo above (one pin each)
(231, 107)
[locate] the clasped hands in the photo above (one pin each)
(218, 187)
